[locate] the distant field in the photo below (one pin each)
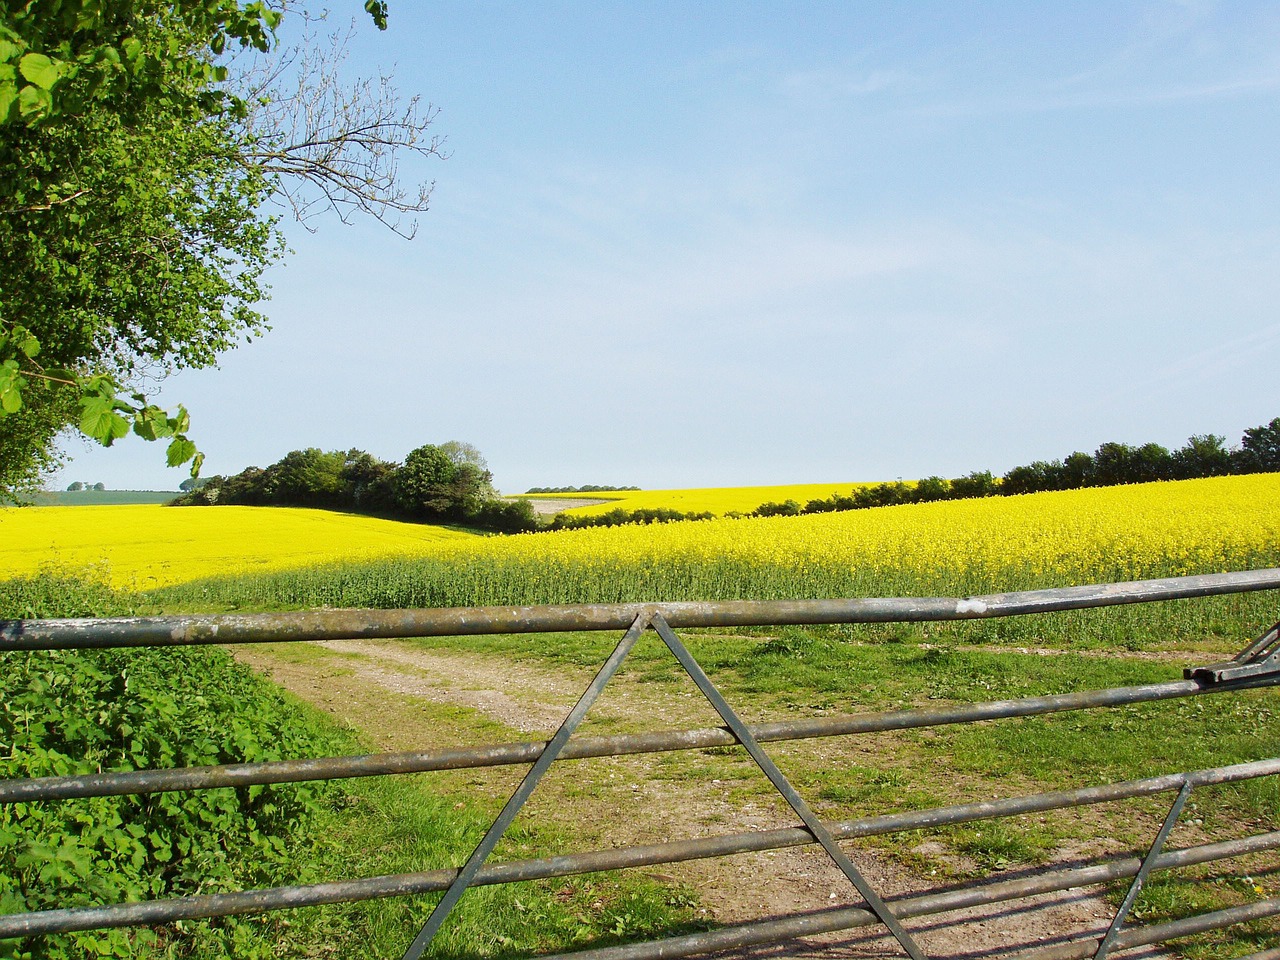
(948, 548)
(279, 556)
(141, 546)
(717, 500)
(100, 498)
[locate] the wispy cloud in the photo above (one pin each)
(836, 83)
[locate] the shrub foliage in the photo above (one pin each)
(80, 712)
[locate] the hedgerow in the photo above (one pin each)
(79, 712)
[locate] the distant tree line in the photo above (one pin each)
(619, 516)
(1112, 464)
(585, 488)
(445, 483)
(78, 486)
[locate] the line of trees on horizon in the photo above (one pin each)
(585, 488)
(1112, 464)
(445, 483)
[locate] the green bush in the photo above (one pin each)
(80, 712)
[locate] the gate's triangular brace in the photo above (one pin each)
(1260, 658)
(557, 743)
(1148, 864)
(784, 787)
(525, 790)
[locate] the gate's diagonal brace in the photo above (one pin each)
(784, 787)
(1258, 659)
(518, 799)
(1140, 878)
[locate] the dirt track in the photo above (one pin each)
(379, 687)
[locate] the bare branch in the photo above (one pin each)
(335, 144)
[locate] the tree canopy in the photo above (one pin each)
(132, 185)
(445, 483)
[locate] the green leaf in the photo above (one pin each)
(152, 423)
(378, 10)
(180, 451)
(40, 70)
(34, 102)
(11, 384)
(100, 420)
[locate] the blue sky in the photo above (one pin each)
(722, 244)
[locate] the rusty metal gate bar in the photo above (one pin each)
(469, 621)
(256, 901)
(1148, 864)
(1258, 665)
(371, 765)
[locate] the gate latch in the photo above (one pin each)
(1260, 658)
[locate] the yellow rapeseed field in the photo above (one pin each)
(140, 546)
(1075, 536)
(717, 500)
(954, 547)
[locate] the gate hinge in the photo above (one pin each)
(1260, 658)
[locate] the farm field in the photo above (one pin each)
(404, 695)
(261, 556)
(951, 548)
(100, 498)
(142, 546)
(716, 500)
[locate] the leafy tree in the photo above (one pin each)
(424, 484)
(979, 483)
(308, 478)
(1203, 455)
(1114, 463)
(131, 185)
(75, 487)
(130, 235)
(931, 488)
(1259, 449)
(1029, 478)
(787, 508)
(367, 482)
(1152, 462)
(1077, 471)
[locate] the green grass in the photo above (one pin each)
(100, 498)
(395, 825)
(793, 671)
(120, 709)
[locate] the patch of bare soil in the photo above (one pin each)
(548, 506)
(646, 799)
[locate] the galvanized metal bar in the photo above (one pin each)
(1267, 642)
(407, 884)
(1148, 863)
(372, 765)
(835, 919)
(522, 793)
(784, 787)
(1161, 932)
(461, 621)
(1260, 658)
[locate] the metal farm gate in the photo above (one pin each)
(1256, 666)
